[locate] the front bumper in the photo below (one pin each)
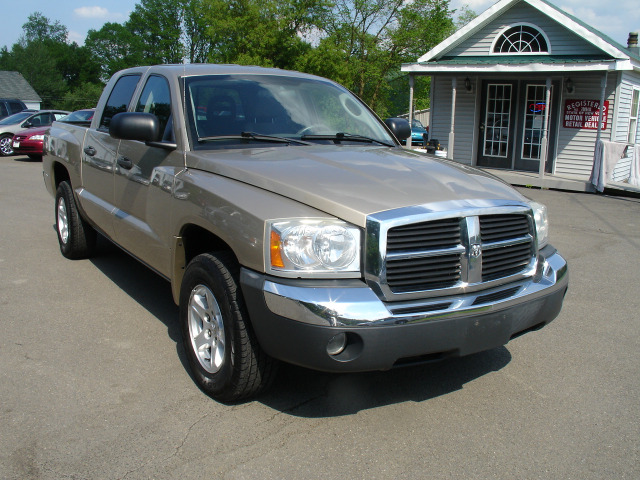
(295, 320)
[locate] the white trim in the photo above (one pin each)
(636, 118)
(516, 68)
(498, 8)
(520, 24)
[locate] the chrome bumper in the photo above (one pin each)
(294, 319)
(359, 306)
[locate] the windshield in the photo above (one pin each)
(78, 116)
(220, 108)
(15, 118)
(417, 125)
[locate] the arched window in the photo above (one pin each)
(521, 39)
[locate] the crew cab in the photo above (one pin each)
(294, 227)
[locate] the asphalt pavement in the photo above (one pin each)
(94, 384)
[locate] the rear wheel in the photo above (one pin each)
(224, 356)
(77, 239)
(6, 148)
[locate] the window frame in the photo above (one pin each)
(102, 127)
(520, 24)
(634, 119)
(166, 126)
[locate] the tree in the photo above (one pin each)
(364, 42)
(85, 95)
(39, 29)
(260, 32)
(114, 47)
(158, 26)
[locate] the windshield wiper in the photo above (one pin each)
(254, 136)
(348, 137)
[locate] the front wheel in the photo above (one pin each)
(6, 148)
(224, 356)
(77, 239)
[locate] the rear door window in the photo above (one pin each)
(119, 99)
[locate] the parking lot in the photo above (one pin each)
(94, 384)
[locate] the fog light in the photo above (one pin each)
(337, 344)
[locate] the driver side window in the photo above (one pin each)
(156, 99)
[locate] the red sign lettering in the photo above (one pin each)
(585, 114)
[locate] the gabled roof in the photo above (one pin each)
(14, 85)
(586, 32)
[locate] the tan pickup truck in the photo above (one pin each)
(293, 226)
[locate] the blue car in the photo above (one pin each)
(417, 132)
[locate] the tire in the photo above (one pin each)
(223, 353)
(5, 145)
(77, 239)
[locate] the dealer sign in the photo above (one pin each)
(585, 114)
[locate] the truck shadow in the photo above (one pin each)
(143, 285)
(305, 393)
(298, 391)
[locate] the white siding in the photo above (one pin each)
(575, 146)
(561, 40)
(629, 80)
(465, 117)
(440, 109)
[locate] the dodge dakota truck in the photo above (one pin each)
(294, 227)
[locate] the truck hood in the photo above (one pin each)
(351, 182)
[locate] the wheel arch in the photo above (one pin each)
(192, 241)
(60, 174)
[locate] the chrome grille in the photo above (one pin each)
(507, 245)
(480, 248)
(407, 273)
(503, 227)
(424, 236)
(429, 273)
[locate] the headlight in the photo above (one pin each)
(542, 223)
(37, 137)
(301, 247)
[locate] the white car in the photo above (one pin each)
(19, 121)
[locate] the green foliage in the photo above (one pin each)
(85, 95)
(114, 48)
(39, 29)
(260, 32)
(364, 42)
(157, 25)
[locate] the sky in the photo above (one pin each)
(81, 15)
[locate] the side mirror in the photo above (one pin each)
(399, 127)
(27, 125)
(144, 127)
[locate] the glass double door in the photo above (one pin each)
(512, 125)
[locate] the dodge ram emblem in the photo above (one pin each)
(476, 250)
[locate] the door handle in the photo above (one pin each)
(90, 151)
(125, 163)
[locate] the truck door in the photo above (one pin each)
(99, 157)
(143, 186)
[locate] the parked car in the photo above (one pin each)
(19, 121)
(9, 106)
(418, 132)
(29, 142)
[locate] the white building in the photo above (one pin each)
(520, 88)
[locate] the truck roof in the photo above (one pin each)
(192, 69)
